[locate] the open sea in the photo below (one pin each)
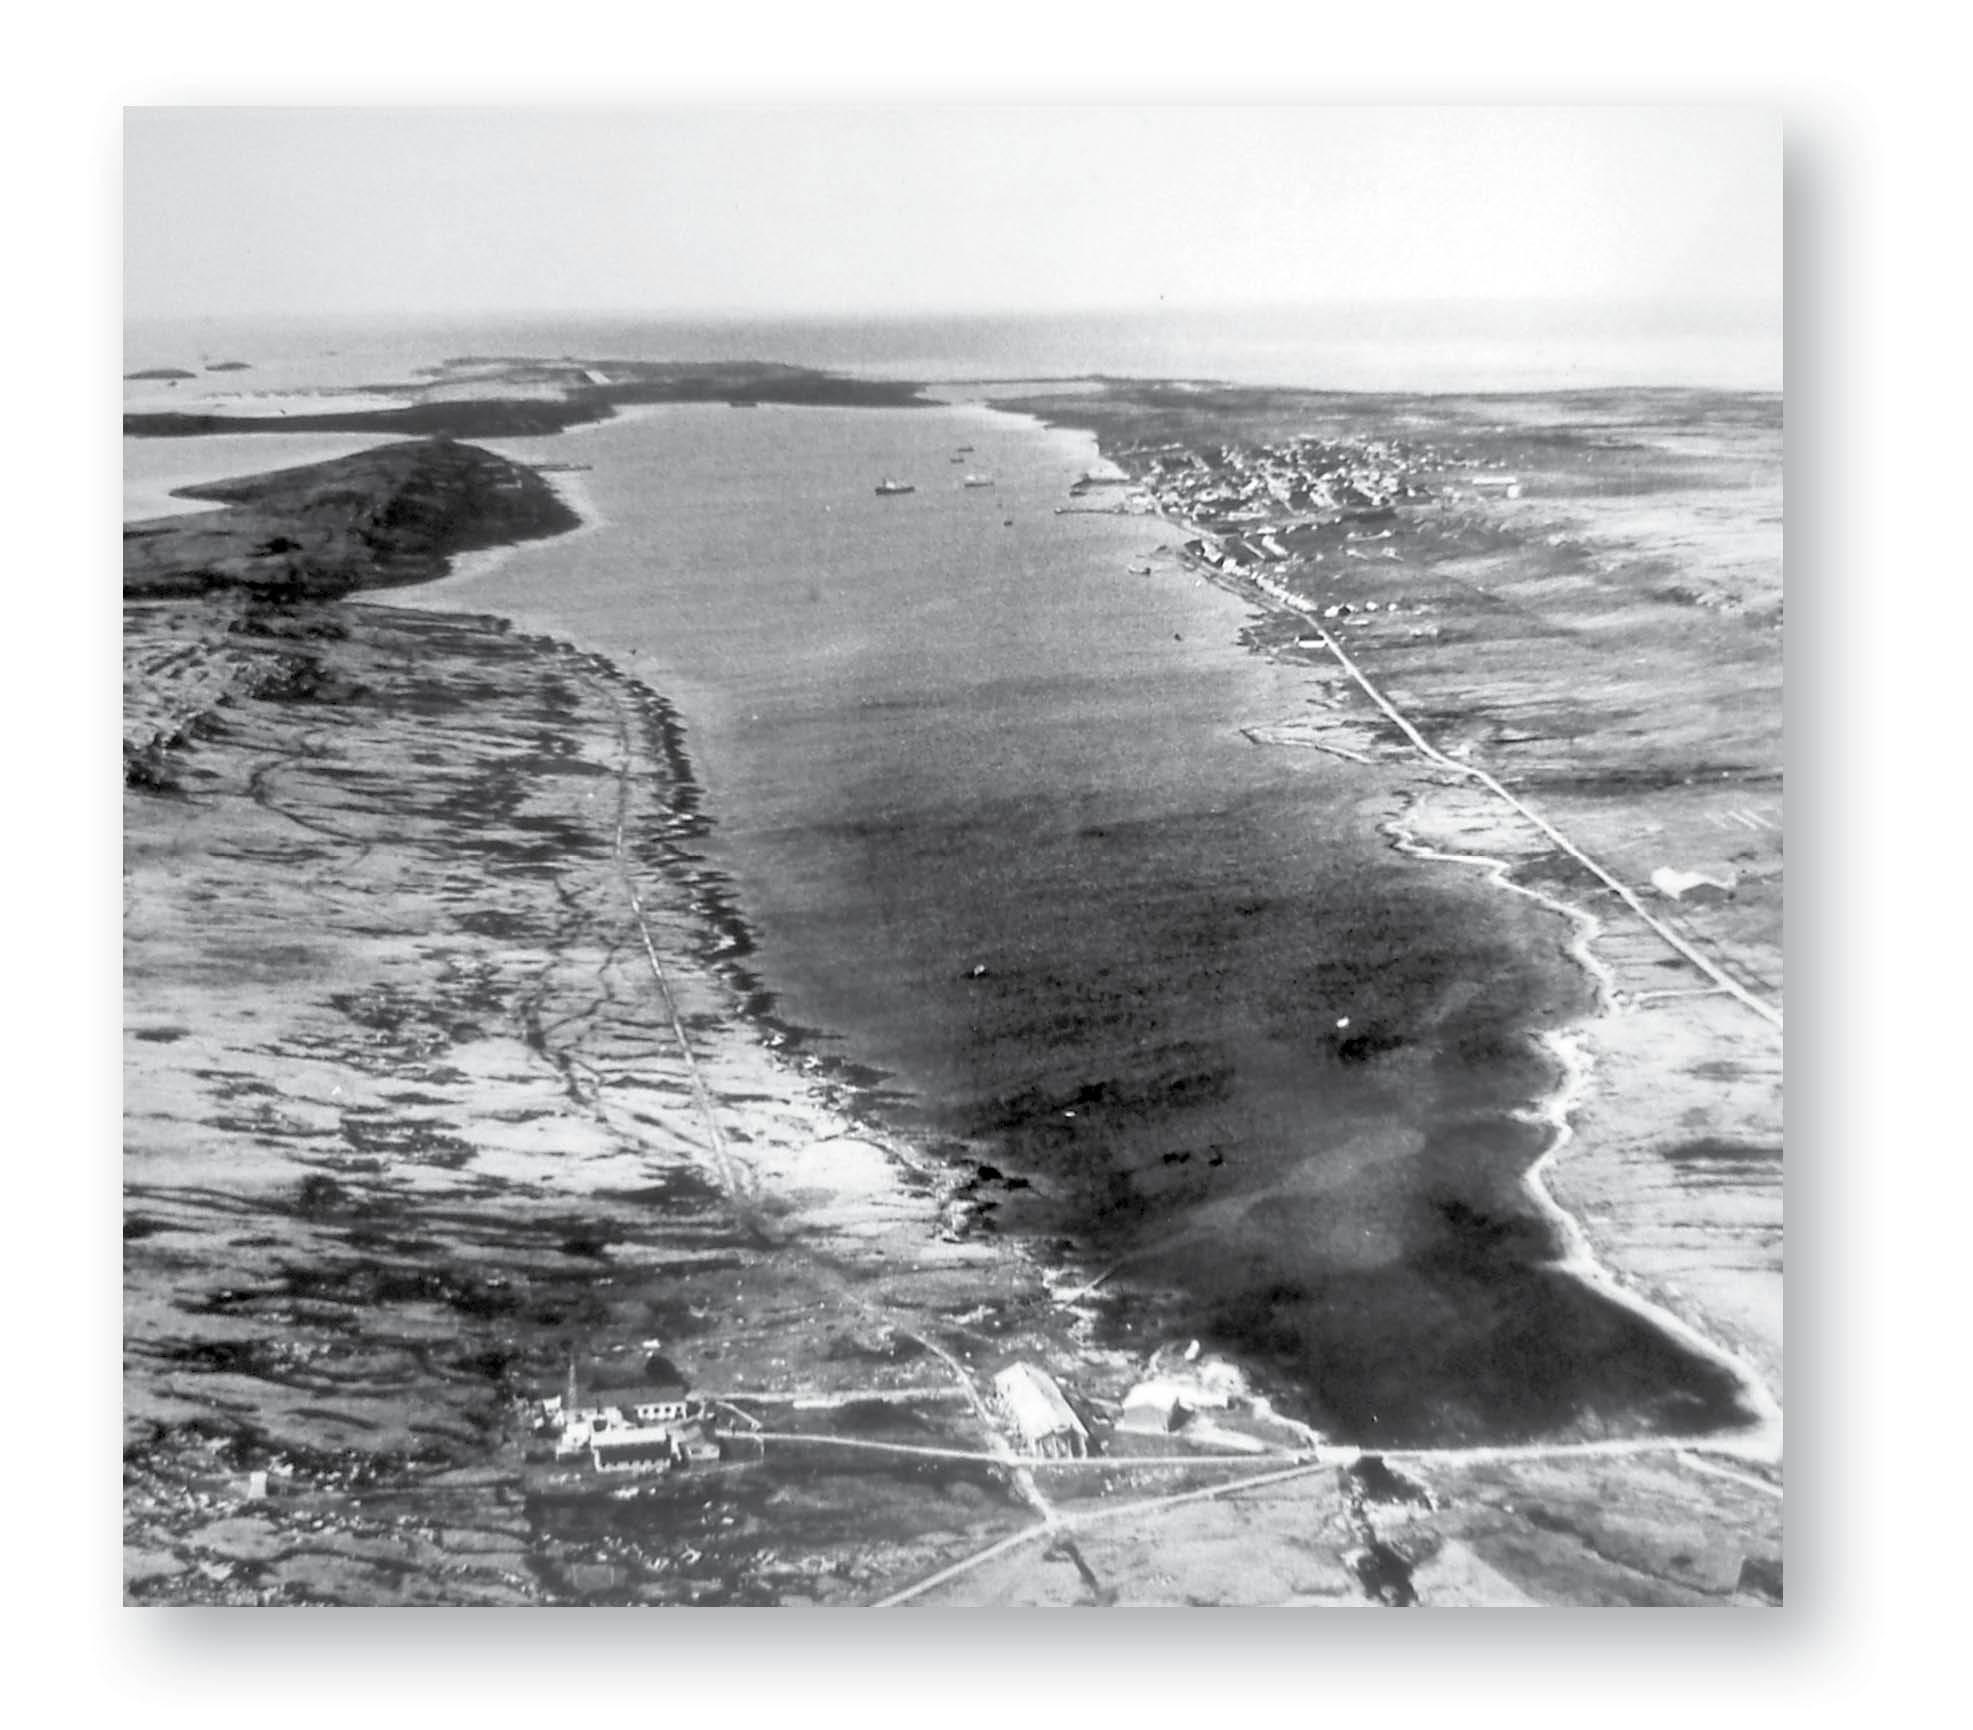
(986, 803)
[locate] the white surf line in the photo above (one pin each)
(1246, 589)
(1578, 1256)
(737, 1181)
(1432, 754)
(1763, 1437)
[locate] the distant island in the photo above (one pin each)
(514, 397)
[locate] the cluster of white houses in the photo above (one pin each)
(1306, 476)
(630, 1429)
(1255, 507)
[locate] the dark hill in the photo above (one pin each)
(378, 519)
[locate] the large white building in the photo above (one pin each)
(1043, 1417)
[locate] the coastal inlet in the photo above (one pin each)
(451, 1061)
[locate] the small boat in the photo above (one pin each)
(1140, 570)
(977, 481)
(887, 487)
(964, 450)
(955, 459)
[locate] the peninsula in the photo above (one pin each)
(374, 520)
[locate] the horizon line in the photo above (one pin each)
(1717, 303)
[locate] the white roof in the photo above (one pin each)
(1035, 1401)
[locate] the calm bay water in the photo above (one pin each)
(986, 804)
(985, 800)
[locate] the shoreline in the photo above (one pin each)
(1098, 1266)
(390, 516)
(1760, 1437)
(728, 942)
(1566, 1047)
(861, 1092)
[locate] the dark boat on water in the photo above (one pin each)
(886, 487)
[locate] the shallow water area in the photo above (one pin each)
(987, 804)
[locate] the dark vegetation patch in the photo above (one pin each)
(148, 768)
(1375, 1480)
(889, 1349)
(381, 517)
(1363, 1044)
(1760, 1577)
(880, 1417)
(1384, 1572)
(1713, 1150)
(406, 1138)
(1626, 781)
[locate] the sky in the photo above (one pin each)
(895, 210)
